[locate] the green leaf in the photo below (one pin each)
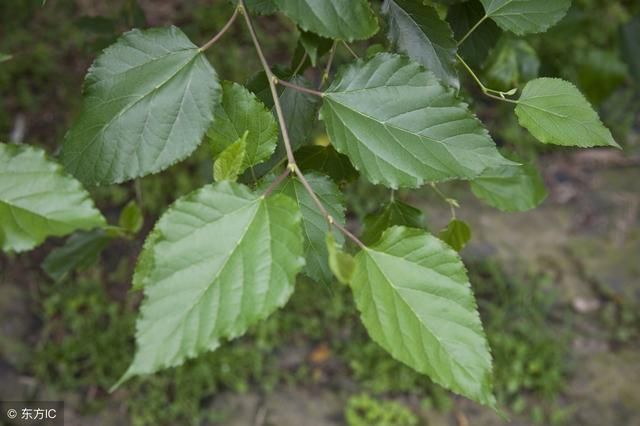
(415, 300)
(341, 264)
(511, 188)
(229, 164)
(148, 101)
(314, 45)
(5, 57)
(336, 19)
(457, 234)
(526, 16)
(242, 112)
(314, 224)
(394, 213)
(555, 112)
(629, 36)
(80, 251)
(400, 126)
(38, 199)
(462, 17)
(328, 161)
(418, 31)
(131, 218)
(222, 259)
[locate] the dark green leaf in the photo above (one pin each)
(418, 31)
(396, 213)
(415, 300)
(457, 234)
(512, 62)
(326, 160)
(400, 126)
(629, 35)
(148, 101)
(476, 47)
(80, 251)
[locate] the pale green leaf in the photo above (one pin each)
(230, 162)
(222, 259)
(337, 19)
(457, 234)
(81, 250)
(341, 263)
(314, 224)
(555, 112)
(131, 218)
(326, 160)
(392, 214)
(242, 112)
(418, 31)
(38, 199)
(400, 126)
(148, 101)
(511, 188)
(526, 16)
(5, 57)
(416, 302)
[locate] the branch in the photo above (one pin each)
(271, 78)
(501, 96)
(222, 31)
(299, 88)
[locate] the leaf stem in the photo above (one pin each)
(453, 204)
(471, 30)
(327, 69)
(276, 182)
(222, 31)
(501, 96)
(299, 88)
(353, 53)
(272, 80)
(292, 166)
(302, 61)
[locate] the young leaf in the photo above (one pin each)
(526, 16)
(314, 224)
(148, 101)
(314, 45)
(462, 17)
(242, 112)
(80, 251)
(394, 213)
(326, 160)
(401, 127)
(229, 164)
(457, 234)
(511, 63)
(415, 300)
(341, 264)
(418, 31)
(131, 218)
(222, 258)
(336, 19)
(510, 188)
(555, 112)
(38, 199)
